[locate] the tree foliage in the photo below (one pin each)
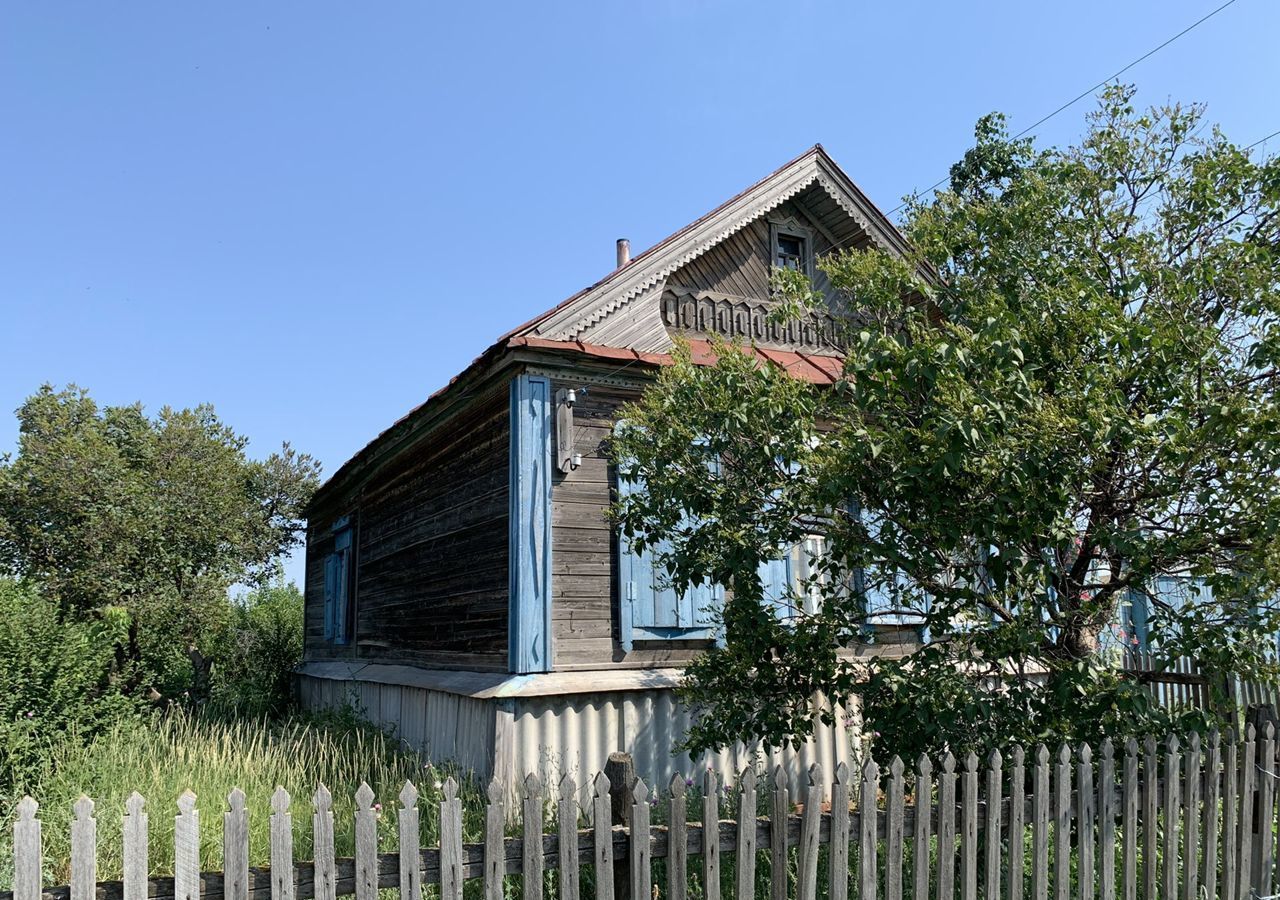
(145, 522)
(1067, 389)
(56, 681)
(255, 654)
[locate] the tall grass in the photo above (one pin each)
(181, 751)
(162, 758)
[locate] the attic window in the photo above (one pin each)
(792, 245)
(790, 252)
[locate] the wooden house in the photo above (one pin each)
(463, 586)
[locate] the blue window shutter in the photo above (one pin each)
(342, 587)
(775, 579)
(649, 606)
(330, 594)
(631, 570)
(637, 606)
(707, 600)
(1133, 620)
(664, 610)
(876, 601)
(529, 538)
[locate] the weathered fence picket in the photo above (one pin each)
(745, 849)
(1198, 817)
(1085, 822)
(947, 828)
(28, 852)
(494, 850)
(810, 826)
(134, 829)
(1265, 847)
(924, 820)
(1017, 814)
(325, 872)
(366, 844)
(867, 830)
(1150, 810)
(1230, 842)
(531, 867)
(282, 847)
(1248, 779)
(84, 851)
(1062, 825)
(1172, 799)
(1040, 826)
(710, 836)
(186, 849)
(407, 818)
(1191, 820)
(235, 848)
(894, 840)
(991, 877)
(677, 841)
(602, 832)
(1209, 820)
(450, 845)
(567, 819)
(639, 848)
(1107, 822)
(969, 829)
(1129, 826)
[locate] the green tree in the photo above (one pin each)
(255, 655)
(150, 520)
(1066, 390)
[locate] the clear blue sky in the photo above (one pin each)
(313, 214)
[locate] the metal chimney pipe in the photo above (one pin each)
(624, 252)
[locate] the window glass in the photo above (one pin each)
(790, 252)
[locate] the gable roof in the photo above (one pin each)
(556, 330)
(813, 167)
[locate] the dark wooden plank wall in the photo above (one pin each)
(431, 550)
(740, 264)
(584, 559)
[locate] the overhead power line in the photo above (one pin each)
(1085, 93)
(1262, 140)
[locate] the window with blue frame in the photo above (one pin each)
(337, 585)
(794, 583)
(651, 610)
(1130, 632)
(884, 600)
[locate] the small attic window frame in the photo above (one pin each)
(790, 228)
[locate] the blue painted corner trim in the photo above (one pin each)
(529, 543)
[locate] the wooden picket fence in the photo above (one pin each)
(1183, 683)
(1175, 819)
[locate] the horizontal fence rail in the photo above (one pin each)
(1180, 818)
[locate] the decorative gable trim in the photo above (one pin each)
(599, 315)
(689, 312)
(608, 297)
(589, 308)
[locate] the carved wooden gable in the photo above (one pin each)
(712, 277)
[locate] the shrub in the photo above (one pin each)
(255, 654)
(56, 685)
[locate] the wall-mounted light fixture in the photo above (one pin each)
(566, 459)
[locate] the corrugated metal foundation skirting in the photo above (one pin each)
(572, 733)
